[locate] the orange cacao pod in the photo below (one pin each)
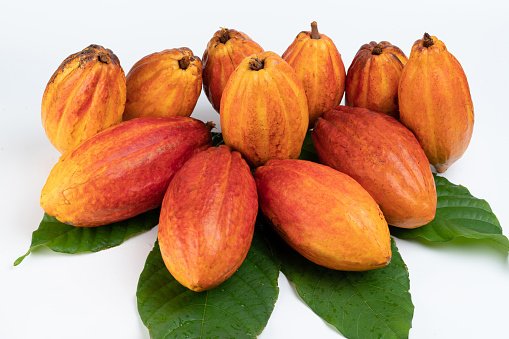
(122, 171)
(207, 218)
(318, 64)
(164, 84)
(435, 102)
(384, 157)
(225, 51)
(85, 95)
(373, 78)
(323, 214)
(264, 111)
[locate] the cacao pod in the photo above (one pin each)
(318, 64)
(324, 215)
(373, 78)
(85, 95)
(225, 51)
(207, 218)
(164, 84)
(384, 157)
(264, 111)
(435, 102)
(122, 171)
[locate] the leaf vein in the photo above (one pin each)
(367, 304)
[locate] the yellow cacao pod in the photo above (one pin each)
(122, 171)
(207, 218)
(373, 78)
(319, 66)
(164, 84)
(264, 110)
(85, 95)
(224, 52)
(323, 214)
(435, 102)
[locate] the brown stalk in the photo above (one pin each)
(225, 35)
(314, 31)
(378, 49)
(104, 58)
(427, 40)
(184, 62)
(255, 64)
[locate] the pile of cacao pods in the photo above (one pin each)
(129, 145)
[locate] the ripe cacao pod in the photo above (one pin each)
(164, 84)
(122, 171)
(318, 64)
(85, 95)
(264, 110)
(384, 157)
(225, 51)
(324, 215)
(373, 78)
(435, 102)
(207, 218)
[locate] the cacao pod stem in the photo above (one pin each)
(427, 40)
(104, 58)
(314, 31)
(210, 125)
(184, 62)
(378, 49)
(255, 64)
(225, 35)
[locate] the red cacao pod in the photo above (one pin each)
(224, 52)
(435, 102)
(207, 218)
(373, 78)
(85, 95)
(164, 84)
(384, 157)
(264, 111)
(319, 66)
(122, 171)
(323, 214)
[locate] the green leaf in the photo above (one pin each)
(238, 308)
(308, 151)
(64, 238)
(364, 305)
(458, 214)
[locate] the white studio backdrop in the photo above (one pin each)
(459, 289)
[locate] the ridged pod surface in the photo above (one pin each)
(122, 171)
(373, 78)
(264, 110)
(384, 157)
(207, 218)
(224, 52)
(324, 215)
(85, 95)
(435, 102)
(164, 84)
(319, 66)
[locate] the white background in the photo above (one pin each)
(459, 289)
